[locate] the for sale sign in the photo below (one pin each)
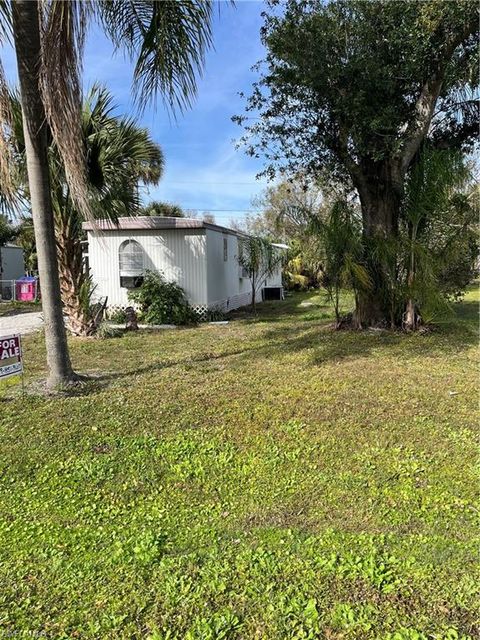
(11, 363)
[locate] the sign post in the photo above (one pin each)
(11, 362)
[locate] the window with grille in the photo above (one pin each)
(132, 264)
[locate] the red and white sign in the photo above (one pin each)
(11, 363)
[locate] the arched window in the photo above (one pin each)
(131, 263)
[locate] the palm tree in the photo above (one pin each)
(167, 40)
(436, 213)
(26, 31)
(259, 259)
(119, 154)
(162, 209)
(342, 265)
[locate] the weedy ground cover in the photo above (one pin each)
(269, 478)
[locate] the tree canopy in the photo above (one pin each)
(345, 82)
(7, 231)
(358, 88)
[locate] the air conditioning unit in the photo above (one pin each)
(242, 272)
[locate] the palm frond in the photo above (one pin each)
(63, 27)
(6, 185)
(167, 39)
(11, 165)
(5, 22)
(98, 108)
(120, 154)
(436, 175)
(258, 257)
(357, 274)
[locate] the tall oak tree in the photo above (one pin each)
(355, 88)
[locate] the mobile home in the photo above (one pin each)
(201, 257)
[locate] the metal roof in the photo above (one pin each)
(158, 223)
(154, 223)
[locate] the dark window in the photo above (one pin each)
(225, 249)
(131, 282)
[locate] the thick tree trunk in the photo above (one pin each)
(26, 30)
(380, 190)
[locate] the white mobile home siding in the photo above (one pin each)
(178, 253)
(226, 287)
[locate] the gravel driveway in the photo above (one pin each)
(22, 323)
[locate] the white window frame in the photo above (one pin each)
(131, 263)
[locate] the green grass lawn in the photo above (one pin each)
(265, 479)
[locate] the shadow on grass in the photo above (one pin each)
(446, 338)
(293, 306)
(326, 345)
(293, 328)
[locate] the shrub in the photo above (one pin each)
(105, 331)
(295, 282)
(214, 314)
(162, 302)
(117, 316)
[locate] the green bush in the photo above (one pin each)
(295, 282)
(117, 316)
(214, 314)
(105, 331)
(162, 302)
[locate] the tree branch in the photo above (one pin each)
(425, 105)
(340, 147)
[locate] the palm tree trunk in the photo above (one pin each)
(26, 31)
(72, 281)
(410, 323)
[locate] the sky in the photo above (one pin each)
(203, 169)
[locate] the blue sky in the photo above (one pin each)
(203, 169)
